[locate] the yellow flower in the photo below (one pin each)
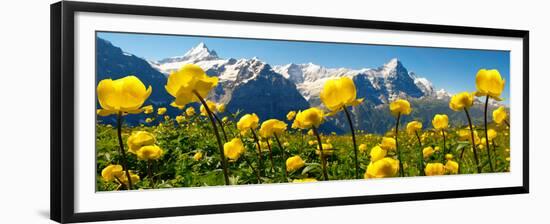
(433, 169)
(327, 149)
(161, 110)
(413, 127)
(491, 134)
(166, 117)
(197, 156)
(388, 144)
(124, 178)
(304, 180)
(111, 171)
(149, 152)
(440, 121)
(139, 139)
(220, 108)
(211, 106)
(312, 117)
(377, 153)
(489, 83)
(428, 151)
(247, 122)
(312, 142)
(499, 115)
(339, 93)
(125, 95)
(291, 114)
(362, 148)
(386, 167)
(400, 106)
(183, 84)
(286, 144)
(148, 109)
(449, 156)
(148, 120)
(173, 104)
(461, 100)
(451, 167)
(233, 149)
(225, 119)
(180, 119)
(272, 127)
(310, 132)
(190, 111)
(294, 163)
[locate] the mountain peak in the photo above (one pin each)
(393, 63)
(200, 52)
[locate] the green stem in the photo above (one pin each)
(270, 155)
(401, 171)
(507, 123)
(259, 150)
(487, 136)
(218, 138)
(323, 162)
(473, 140)
(421, 158)
(122, 153)
(150, 173)
(444, 144)
(284, 155)
(354, 142)
(221, 127)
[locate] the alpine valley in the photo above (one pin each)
(254, 86)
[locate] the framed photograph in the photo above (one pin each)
(159, 111)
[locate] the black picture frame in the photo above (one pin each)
(62, 110)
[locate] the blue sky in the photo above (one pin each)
(451, 69)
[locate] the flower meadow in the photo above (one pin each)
(206, 146)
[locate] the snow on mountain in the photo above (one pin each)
(382, 85)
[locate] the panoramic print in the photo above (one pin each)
(191, 111)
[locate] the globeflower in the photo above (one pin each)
(386, 167)
(491, 134)
(294, 163)
(377, 153)
(489, 83)
(362, 148)
(440, 121)
(460, 101)
(400, 106)
(110, 172)
(248, 122)
(161, 111)
(388, 144)
(125, 95)
(134, 178)
(290, 115)
(312, 117)
(233, 149)
(272, 127)
(197, 156)
(499, 115)
(180, 119)
(149, 152)
(451, 167)
(427, 152)
(339, 93)
(139, 139)
(148, 109)
(190, 111)
(413, 127)
(433, 169)
(211, 106)
(189, 83)
(304, 180)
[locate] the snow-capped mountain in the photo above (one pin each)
(378, 85)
